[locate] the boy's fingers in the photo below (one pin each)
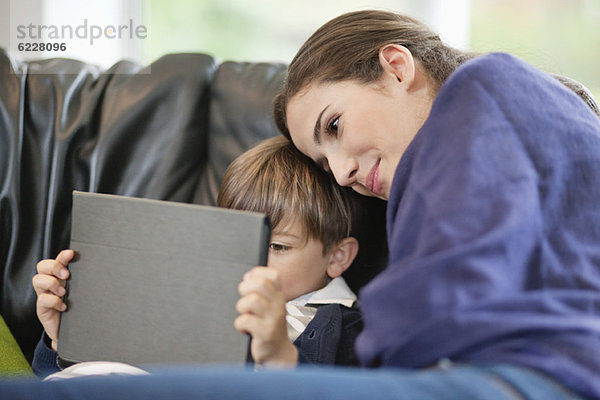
(45, 266)
(50, 301)
(46, 283)
(252, 304)
(52, 267)
(65, 257)
(248, 323)
(270, 274)
(263, 287)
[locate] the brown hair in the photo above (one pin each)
(274, 178)
(347, 48)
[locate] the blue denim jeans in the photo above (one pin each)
(455, 382)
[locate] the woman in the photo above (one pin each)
(492, 172)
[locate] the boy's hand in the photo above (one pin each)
(49, 285)
(262, 315)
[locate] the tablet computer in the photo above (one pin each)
(155, 282)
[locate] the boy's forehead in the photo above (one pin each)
(291, 226)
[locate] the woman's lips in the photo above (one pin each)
(372, 181)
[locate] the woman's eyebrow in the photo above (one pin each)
(317, 130)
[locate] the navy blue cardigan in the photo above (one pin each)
(329, 338)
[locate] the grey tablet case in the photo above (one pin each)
(156, 282)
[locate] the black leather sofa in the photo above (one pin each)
(164, 131)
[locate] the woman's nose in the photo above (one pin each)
(344, 170)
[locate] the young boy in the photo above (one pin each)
(298, 309)
(310, 249)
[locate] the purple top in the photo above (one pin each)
(494, 231)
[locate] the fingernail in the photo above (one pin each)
(61, 291)
(63, 274)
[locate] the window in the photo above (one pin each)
(273, 30)
(559, 36)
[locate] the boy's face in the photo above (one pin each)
(298, 259)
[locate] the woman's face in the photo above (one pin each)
(357, 131)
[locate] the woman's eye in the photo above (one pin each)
(332, 126)
(278, 247)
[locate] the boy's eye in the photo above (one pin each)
(332, 126)
(278, 247)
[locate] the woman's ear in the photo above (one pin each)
(342, 255)
(398, 61)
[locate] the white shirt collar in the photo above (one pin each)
(335, 292)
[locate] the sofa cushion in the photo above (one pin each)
(12, 360)
(65, 125)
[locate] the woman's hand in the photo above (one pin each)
(49, 285)
(262, 315)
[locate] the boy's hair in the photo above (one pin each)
(274, 178)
